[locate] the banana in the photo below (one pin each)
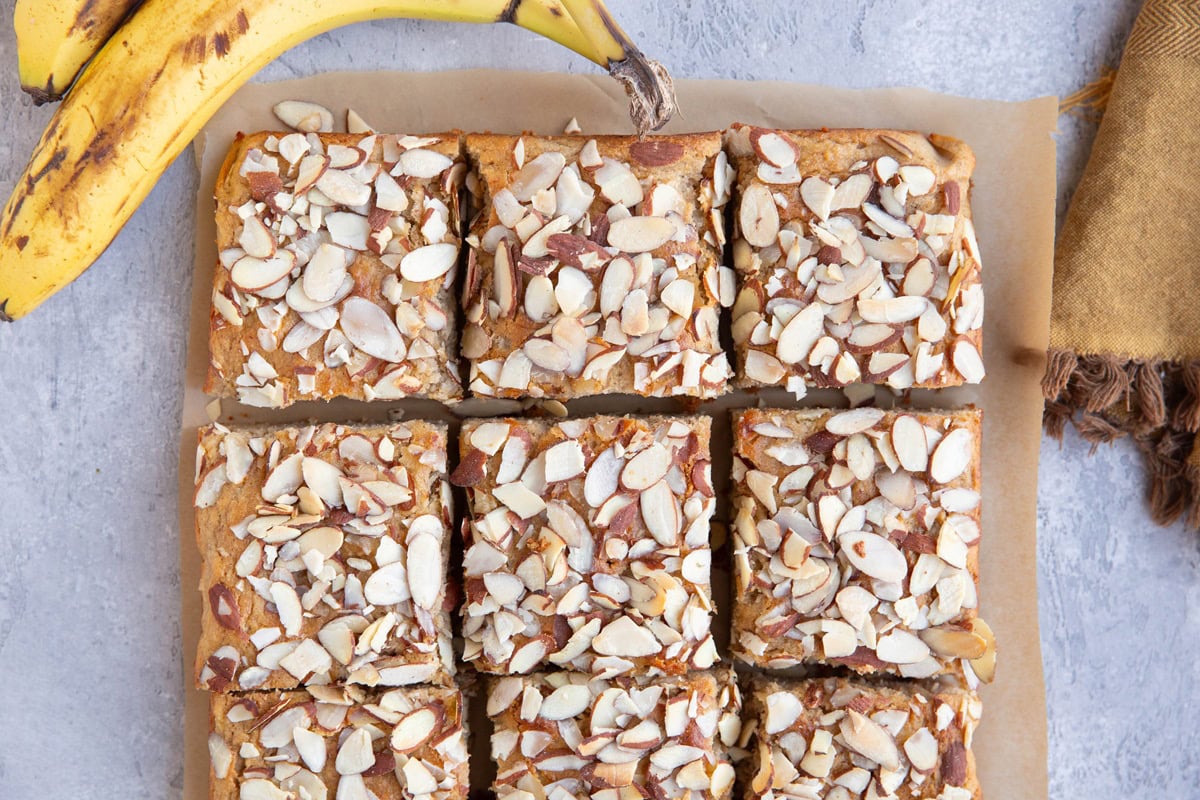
(149, 91)
(55, 38)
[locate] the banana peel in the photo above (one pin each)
(145, 95)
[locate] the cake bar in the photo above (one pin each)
(345, 742)
(838, 739)
(324, 556)
(337, 261)
(587, 544)
(568, 735)
(856, 258)
(856, 540)
(595, 266)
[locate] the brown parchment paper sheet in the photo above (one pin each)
(1013, 203)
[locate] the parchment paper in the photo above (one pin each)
(1013, 203)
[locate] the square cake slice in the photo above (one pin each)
(856, 537)
(595, 266)
(568, 735)
(337, 264)
(842, 739)
(346, 742)
(856, 259)
(324, 556)
(587, 544)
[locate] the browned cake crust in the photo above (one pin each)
(308, 538)
(848, 739)
(343, 289)
(587, 544)
(856, 259)
(856, 540)
(595, 266)
(345, 742)
(609, 739)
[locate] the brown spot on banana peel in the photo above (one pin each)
(4, 317)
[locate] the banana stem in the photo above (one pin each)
(648, 84)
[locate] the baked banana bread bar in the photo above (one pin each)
(338, 258)
(565, 734)
(339, 741)
(856, 537)
(856, 259)
(324, 556)
(595, 266)
(587, 544)
(841, 739)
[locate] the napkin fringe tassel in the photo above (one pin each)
(1156, 403)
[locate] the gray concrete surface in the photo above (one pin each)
(90, 401)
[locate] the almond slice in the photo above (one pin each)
(371, 330)
(256, 239)
(758, 216)
(874, 556)
(304, 116)
(774, 148)
(256, 274)
(428, 263)
(538, 174)
(421, 163)
(325, 272)
(413, 730)
(640, 234)
(951, 456)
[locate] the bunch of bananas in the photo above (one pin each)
(141, 77)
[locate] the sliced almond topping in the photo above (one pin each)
(355, 756)
(564, 461)
(640, 234)
(646, 468)
(922, 750)
(536, 175)
(256, 274)
(857, 420)
(425, 569)
(758, 216)
(774, 148)
(303, 116)
(565, 702)
(413, 730)
(660, 512)
(783, 709)
(287, 605)
(968, 362)
(869, 739)
(901, 647)
(371, 329)
(624, 637)
(428, 263)
(817, 194)
(343, 189)
(325, 272)
(920, 179)
(908, 440)
(874, 555)
(801, 333)
(951, 456)
(256, 239)
(954, 642)
(422, 163)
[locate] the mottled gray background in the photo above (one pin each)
(90, 671)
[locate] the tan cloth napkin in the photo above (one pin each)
(1125, 326)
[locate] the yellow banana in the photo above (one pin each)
(55, 38)
(149, 91)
